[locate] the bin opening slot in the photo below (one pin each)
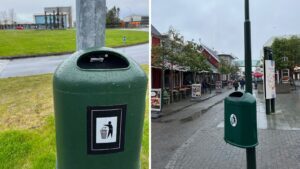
(236, 94)
(102, 60)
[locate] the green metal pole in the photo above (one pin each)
(250, 152)
(247, 34)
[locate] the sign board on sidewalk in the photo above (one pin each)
(219, 86)
(270, 79)
(156, 100)
(196, 90)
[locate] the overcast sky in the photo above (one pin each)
(220, 23)
(26, 8)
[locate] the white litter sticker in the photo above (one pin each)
(233, 120)
(106, 129)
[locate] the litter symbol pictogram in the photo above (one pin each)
(233, 120)
(106, 132)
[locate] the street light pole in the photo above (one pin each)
(90, 23)
(247, 34)
(250, 152)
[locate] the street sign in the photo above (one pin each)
(124, 39)
(270, 79)
(155, 99)
(196, 90)
(219, 86)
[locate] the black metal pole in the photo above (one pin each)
(250, 152)
(54, 20)
(46, 22)
(57, 18)
(272, 101)
(247, 34)
(50, 21)
(267, 101)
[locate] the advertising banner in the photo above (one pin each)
(270, 92)
(219, 86)
(156, 100)
(196, 90)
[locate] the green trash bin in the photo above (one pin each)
(240, 126)
(99, 102)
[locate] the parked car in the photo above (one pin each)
(19, 27)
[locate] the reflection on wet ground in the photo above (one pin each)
(287, 112)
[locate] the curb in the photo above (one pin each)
(184, 107)
(60, 53)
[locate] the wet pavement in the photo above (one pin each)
(199, 143)
(170, 132)
(42, 65)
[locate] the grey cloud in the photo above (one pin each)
(26, 8)
(219, 23)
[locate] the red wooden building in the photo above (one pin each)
(155, 71)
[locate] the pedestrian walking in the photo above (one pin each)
(235, 85)
(242, 83)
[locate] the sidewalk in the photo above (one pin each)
(180, 105)
(205, 148)
(171, 131)
(191, 108)
(297, 83)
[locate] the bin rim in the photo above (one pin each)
(245, 95)
(80, 53)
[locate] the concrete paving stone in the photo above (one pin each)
(193, 110)
(199, 144)
(277, 149)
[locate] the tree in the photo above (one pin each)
(112, 17)
(224, 67)
(193, 59)
(228, 68)
(286, 47)
(168, 52)
(174, 51)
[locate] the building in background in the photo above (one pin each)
(135, 21)
(228, 58)
(54, 18)
(156, 71)
(256, 66)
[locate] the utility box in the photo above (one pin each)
(99, 102)
(240, 126)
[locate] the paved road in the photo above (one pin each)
(199, 144)
(42, 65)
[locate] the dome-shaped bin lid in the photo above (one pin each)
(99, 70)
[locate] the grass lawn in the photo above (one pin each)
(27, 133)
(35, 42)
